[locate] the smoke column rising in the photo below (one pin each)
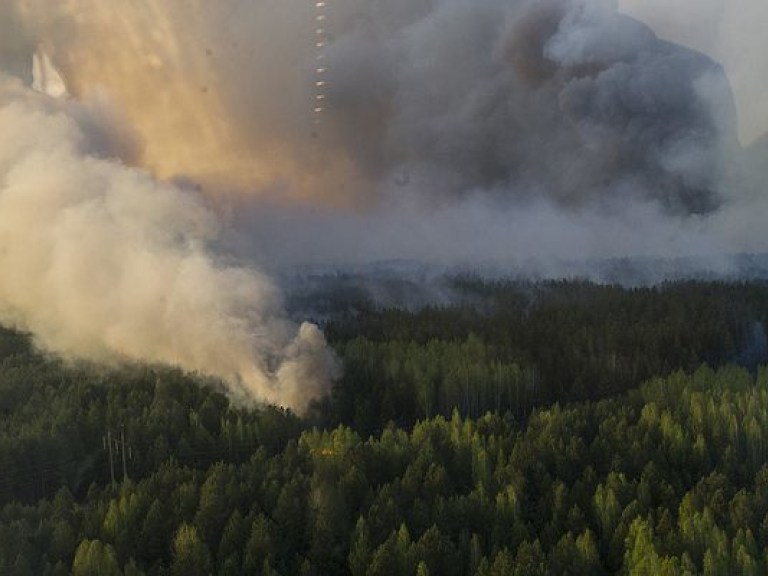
(451, 130)
(102, 261)
(448, 96)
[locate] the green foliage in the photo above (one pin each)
(515, 345)
(516, 440)
(190, 555)
(94, 558)
(458, 496)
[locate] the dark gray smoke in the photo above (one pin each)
(564, 100)
(521, 130)
(449, 130)
(733, 33)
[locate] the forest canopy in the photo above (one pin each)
(551, 428)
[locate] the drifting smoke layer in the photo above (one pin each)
(561, 100)
(101, 261)
(522, 130)
(565, 100)
(466, 127)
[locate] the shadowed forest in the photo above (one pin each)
(523, 428)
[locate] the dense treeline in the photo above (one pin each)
(670, 479)
(55, 419)
(511, 345)
(509, 433)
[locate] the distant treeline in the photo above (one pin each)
(513, 345)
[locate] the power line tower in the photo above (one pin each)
(116, 445)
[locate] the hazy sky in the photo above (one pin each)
(730, 31)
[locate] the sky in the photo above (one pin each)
(729, 32)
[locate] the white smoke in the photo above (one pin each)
(101, 261)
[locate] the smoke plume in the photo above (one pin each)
(448, 96)
(102, 261)
(517, 130)
(337, 131)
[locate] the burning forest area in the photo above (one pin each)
(378, 287)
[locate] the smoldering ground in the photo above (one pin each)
(449, 130)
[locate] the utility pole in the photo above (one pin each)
(124, 450)
(111, 461)
(122, 445)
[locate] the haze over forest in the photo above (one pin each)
(162, 159)
(380, 287)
